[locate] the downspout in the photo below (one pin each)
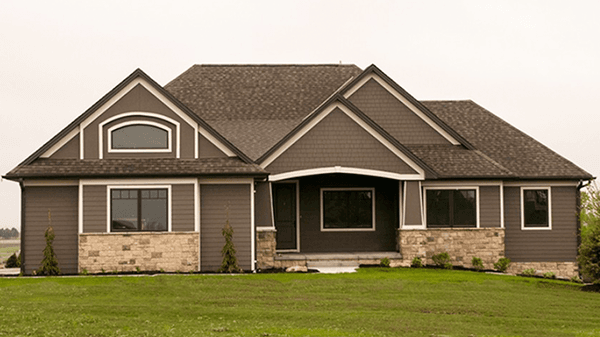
(23, 198)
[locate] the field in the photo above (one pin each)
(371, 302)
(7, 248)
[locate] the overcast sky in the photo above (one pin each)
(536, 64)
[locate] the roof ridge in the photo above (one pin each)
(277, 65)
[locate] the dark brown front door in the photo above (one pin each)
(284, 196)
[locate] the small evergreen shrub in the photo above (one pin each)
(549, 275)
(502, 264)
(84, 271)
(442, 260)
(477, 263)
(416, 262)
(13, 261)
(576, 279)
(230, 263)
(528, 272)
(49, 262)
(385, 262)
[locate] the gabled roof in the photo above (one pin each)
(254, 106)
(138, 73)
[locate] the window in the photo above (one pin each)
(455, 208)
(146, 136)
(139, 209)
(535, 208)
(347, 209)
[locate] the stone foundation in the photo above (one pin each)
(561, 269)
(461, 244)
(265, 247)
(126, 252)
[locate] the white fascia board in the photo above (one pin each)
(220, 181)
(358, 121)
(49, 182)
(451, 183)
(571, 183)
(141, 181)
(404, 101)
(215, 142)
(120, 95)
(347, 170)
(61, 143)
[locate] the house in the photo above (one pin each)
(308, 163)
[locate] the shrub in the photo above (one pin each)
(576, 279)
(84, 272)
(477, 263)
(442, 260)
(385, 262)
(502, 264)
(416, 262)
(589, 249)
(230, 263)
(528, 272)
(14, 261)
(549, 275)
(49, 262)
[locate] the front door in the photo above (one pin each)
(284, 196)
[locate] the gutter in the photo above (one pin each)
(23, 199)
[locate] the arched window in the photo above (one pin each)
(140, 135)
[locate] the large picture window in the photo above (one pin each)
(535, 208)
(139, 209)
(347, 209)
(456, 208)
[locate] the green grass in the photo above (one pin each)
(7, 249)
(372, 302)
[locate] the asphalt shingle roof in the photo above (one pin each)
(57, 168)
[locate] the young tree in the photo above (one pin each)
(589, 250)
(230, 263)
(49, 262)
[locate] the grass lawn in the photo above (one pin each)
(372, 302)
(7, 248)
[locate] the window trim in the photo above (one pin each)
(453, 188)
(373, 204)
(522, 205)
(109, 189)
(139, 122)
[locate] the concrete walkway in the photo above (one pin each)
(9, 271)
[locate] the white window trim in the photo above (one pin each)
(137, 114)
(109, 188)
(477, 203)
(549, 227)
(140, 122)
(373, 218)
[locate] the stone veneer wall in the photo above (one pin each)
(561, 269)
(122, 252)
(461, 245)
(265, 247)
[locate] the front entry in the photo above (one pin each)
(284, 196)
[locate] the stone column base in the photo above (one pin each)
(265, 247)
(561, 269)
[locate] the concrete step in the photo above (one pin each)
(314, 264)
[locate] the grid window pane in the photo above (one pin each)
(451, 208)
(347, 209)
(136, 210)
(535, 208)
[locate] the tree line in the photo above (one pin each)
(6, 233)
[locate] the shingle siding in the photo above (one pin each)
(489, 206)
(338, 141)
(220, 203)
(556, 245)
(61, 202)
(395, 117)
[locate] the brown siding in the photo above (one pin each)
(412, 210)
(62, 204)
(215, 200)
(206, 149)
(338, 141)
(262, 200)
(556, 245)
(489, 206)
(138, 100)
(312, 239)
(394, 116)
(94, 209)
(68, 151)
(183, 208)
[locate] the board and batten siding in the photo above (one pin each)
(489, 207)
(94, 209)
(556, 245)
(183, 208)
(222, 202)
(62, 204)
